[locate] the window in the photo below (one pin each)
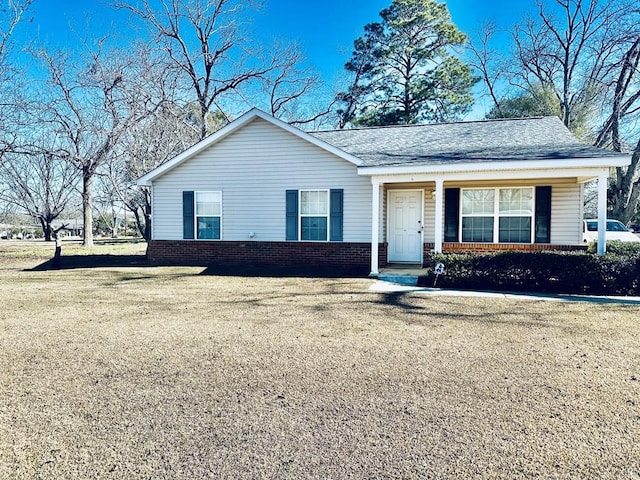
(208, 213)
(516, 213)
(314, 215)
(478, 207)
(503, 213)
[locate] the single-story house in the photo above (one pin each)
(71, 227)
(262, 192)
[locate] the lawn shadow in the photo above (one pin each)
(397, 299)
(70, 262)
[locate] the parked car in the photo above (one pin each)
(615, 231)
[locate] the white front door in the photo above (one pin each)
(404, 214)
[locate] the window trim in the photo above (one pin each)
(195, 215)
(327, 215)
(496, 213)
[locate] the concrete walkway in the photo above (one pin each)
(388, 287)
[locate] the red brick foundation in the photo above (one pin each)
(278, 254)
(338, 256)
(451, 247)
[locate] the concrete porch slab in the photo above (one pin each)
(402, 274)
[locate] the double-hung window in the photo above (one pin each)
(314, 215)
(515, 215)
(208, 213)
(502, 213)
(478, 215)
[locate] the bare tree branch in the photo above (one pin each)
(203, 40)
(93, 104)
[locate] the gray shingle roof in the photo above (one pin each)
(481, 141)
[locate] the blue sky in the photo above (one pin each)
(324, 29)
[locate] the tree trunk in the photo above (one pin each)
(203, 119)
(46, 229)
(626, 192)
(143, 226)
(87, 209)
(147, 226)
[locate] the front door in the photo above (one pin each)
(404, 214)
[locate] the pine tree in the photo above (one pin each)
(404, 69)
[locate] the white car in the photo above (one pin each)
(615, 231)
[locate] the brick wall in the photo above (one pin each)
(280, 254)
(451, 247)
(345, 257)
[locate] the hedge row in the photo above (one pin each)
(616, 273)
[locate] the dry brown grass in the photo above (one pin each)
(145, 372)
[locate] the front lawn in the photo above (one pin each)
(163, 372)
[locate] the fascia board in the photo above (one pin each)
(523, 165)
(580, 174)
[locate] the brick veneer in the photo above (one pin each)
(281, 254)
(451, 247)
(343, 255)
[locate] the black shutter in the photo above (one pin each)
(543, 215)
(188, 232)
(451, 214)
(335, 215)
(292, 215)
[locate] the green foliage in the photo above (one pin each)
(545, 272)
(404, 70)
(617, 247)
(213, 120)
(542, 102)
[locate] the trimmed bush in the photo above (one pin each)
(546, 272)
(617, 247)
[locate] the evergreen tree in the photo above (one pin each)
(404, 69)
(540, 102)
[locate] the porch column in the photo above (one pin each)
(437, 246)
(603, 180)
(375, 226)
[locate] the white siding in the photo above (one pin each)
(566, 221)
(253, 168)
(566, 225)
(429, 216)
(383, 220)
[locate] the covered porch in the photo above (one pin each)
(415, 214)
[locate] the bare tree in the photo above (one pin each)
(92, 105)
(107, 204)
(584, 55)
(38, 184)
(569, 49)
(622, 121)
(489, 64)
(625, 101)
(146, 146)
(204, 42)
(293, 91)
(10, 16)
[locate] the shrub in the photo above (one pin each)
(617, 247)
(546, 272)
